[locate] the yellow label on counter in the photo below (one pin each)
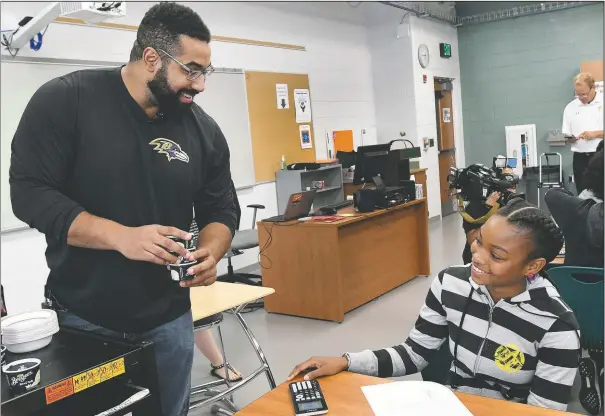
(98, 375)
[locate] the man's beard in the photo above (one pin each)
(164, 97)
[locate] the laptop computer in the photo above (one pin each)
(299, 206)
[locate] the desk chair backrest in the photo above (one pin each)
(584, 298)
(193, 229)
(238, 209)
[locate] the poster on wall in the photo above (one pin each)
(447, 115)
(283, 102)
(599, 86)
(303, 105)
(305, 136)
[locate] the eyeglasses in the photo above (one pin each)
(192, 75)
(584, 95)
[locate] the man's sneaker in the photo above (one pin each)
(590, 393)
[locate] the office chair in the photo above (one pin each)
(585, 299)
(582, 289)
(243, 240)
(208, 390)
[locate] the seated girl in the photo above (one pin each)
(509, 333)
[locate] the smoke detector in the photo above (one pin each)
(93, 11)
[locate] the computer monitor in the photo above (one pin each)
(396, 169)
(501, 162)
(369, 162)
(346, 159)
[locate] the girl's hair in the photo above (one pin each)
(547, 238)
(593, 175)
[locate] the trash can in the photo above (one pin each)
(528, 185)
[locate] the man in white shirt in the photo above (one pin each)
(583, 125)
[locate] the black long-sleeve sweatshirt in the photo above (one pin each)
(581, 221)
(84, 144)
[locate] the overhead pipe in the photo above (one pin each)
(520, 11)
(420, 11)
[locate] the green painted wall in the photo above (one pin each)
(519, 71)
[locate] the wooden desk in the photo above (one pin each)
(323, 270)
(345, 398)
(419, 177)
(220, 297)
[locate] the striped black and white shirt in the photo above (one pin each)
(528, 343)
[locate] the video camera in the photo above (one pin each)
(477, 182)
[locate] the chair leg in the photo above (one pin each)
(225, 362)
(256, 346)
(217, 410)
(229, 268)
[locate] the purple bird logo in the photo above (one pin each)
(169, 148)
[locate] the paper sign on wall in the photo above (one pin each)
(343, 140)
(283, 101)
(599, 86)
(447, 115)
(305, 136)
(303, 106)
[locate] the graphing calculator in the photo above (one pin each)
(307, 398)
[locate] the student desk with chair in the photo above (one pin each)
(207, 306)
(344, 397)
(322, 270)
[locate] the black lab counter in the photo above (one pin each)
(85, 374)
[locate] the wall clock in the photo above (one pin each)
(423, 55)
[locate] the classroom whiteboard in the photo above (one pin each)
(224, 99)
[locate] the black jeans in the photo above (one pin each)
(580, 162)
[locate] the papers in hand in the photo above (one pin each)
(413, 398)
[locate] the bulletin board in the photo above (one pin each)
(594, 68)
(274, 129)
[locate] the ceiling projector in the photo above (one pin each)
(93, 11)
(89, 11)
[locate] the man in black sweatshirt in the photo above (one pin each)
(108, 163)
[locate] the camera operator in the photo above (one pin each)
(477, 213)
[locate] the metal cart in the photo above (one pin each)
(549, 170)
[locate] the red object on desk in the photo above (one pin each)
(327, 218)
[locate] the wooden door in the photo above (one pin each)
(445, 119)
(447, 159)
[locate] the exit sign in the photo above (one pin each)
(445, 50)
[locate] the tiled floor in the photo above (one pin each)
(385, 321)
